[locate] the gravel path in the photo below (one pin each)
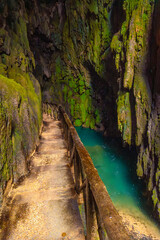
(43, 205)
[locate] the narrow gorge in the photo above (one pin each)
(100, 60)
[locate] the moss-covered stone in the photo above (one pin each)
(21, 108)
(130, 48)
(20, 97)
(154, 197)
(124, 116)
(143, 105)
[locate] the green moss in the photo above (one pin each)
(150, 182)
(116, 45)
(6, 174)
(146, 160)
(154, 197)
(83, 106)
(65, 91)
(21, 31)
(123, 32)
(158, 208)
(5, 143)
(157, 176)
(10, 92)
(84, 39)
(77, 113)
(93, 7)
(58, 68)
(143, 105)
(87, 122)
(20, 100)
(77, 123)
(139, 169)
(98, 119)
(16, 141)
(92, 123)
(72, 106)
(4, 41)
(3, 69)
(105, 29)
(23, 107)
(11, 87)
(124, 116)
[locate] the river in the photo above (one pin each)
(117, 169)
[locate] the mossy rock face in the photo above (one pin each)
(71, 89)
(4, 42)
(142, 107)
(21, 121)
(83, 39)
(20, 97)
(124, 116)
(130, 48)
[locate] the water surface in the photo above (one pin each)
(117, 169)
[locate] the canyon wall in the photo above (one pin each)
(70, 41)
(20, 94)
(136, 52)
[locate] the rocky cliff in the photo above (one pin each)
(99, 59)
(20, 94)
(136, 51)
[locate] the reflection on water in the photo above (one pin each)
(117, 169)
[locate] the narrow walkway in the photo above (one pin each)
(43, 206)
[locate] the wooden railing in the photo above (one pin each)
(101, 217)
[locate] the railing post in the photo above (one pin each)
(91, 221)
(72, 152)
(68, 141)
(76, 171)
(52, 115)
(101, 230)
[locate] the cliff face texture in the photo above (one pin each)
(69, 40)
(136, 52)
(20, 95)
(99, 58)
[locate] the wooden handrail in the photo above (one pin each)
(101, 216)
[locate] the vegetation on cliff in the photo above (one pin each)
(20, 96)
(130, 46)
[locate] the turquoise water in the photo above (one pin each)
(116, 167)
